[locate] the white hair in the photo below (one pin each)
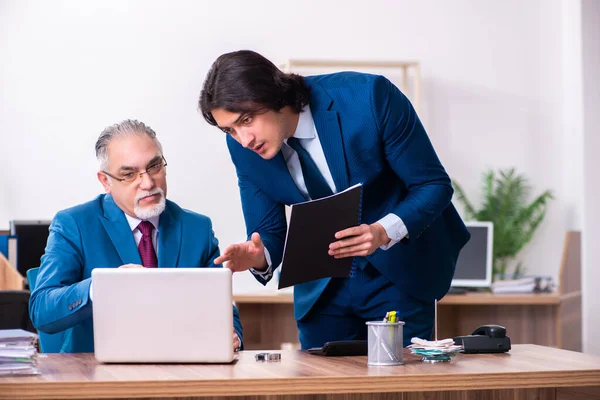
(126, 127)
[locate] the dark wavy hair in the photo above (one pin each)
(246, 82)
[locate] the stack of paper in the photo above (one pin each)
(521, 285)
(18, 352)
(434, 351)
(434, 347)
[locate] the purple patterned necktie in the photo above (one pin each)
(146, 248)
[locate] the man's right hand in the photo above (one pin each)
(131, 266)
(243, 256)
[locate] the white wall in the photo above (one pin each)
(591, 102)
(572, 137)
(495, 80)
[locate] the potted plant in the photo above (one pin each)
(505, 203)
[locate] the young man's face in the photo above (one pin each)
(129, 156)
(262, 132)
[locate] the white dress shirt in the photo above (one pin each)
(308, 137)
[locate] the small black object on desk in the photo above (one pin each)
(268, 356)
(341, 348)
(485, 339)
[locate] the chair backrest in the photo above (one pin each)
(49, 342)
(14, 309)
(32, 274)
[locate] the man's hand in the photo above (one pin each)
(236, 341)
(359, 240)
(243, 256)
(131, 266)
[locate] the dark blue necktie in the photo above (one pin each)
(315, 183)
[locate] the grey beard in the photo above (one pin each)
(148, 212)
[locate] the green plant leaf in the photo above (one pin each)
(505, 203)
(519, 270)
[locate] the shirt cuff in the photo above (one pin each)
(266, 274)
(395, 229)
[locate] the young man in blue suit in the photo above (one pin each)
(295, 138)
(133, 225)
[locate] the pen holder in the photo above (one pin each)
(385, 343)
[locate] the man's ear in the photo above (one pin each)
(105, 181)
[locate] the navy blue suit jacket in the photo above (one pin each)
(97, 235)
(370, 134)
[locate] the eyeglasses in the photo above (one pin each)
(130, 177)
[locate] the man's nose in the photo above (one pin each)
(147, 181)
(246, 138)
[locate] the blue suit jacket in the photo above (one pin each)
(370, 134)
(97, 235)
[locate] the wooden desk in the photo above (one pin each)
(546, 319)
(527, 372)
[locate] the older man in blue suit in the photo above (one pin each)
(133, 225)
(295, 138)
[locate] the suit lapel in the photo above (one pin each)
(169, 239)
(330, 135)
(119, 231)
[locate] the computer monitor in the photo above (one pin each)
(32, 236)
(474, 264)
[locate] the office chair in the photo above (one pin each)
(49, 342)
(14, 309)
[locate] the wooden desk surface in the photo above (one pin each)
(80, 376)
(450, 299)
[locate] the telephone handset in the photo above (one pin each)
(493, 331)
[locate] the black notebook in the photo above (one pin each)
(311, 230)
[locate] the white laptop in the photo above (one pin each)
(163, 315)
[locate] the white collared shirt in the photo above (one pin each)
(306, 132)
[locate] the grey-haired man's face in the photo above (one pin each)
(133, 154)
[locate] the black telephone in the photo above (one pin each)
(341, 348)
(493, 331)
(485, 339)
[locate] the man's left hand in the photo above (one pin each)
(359, 240)
(236, 341)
